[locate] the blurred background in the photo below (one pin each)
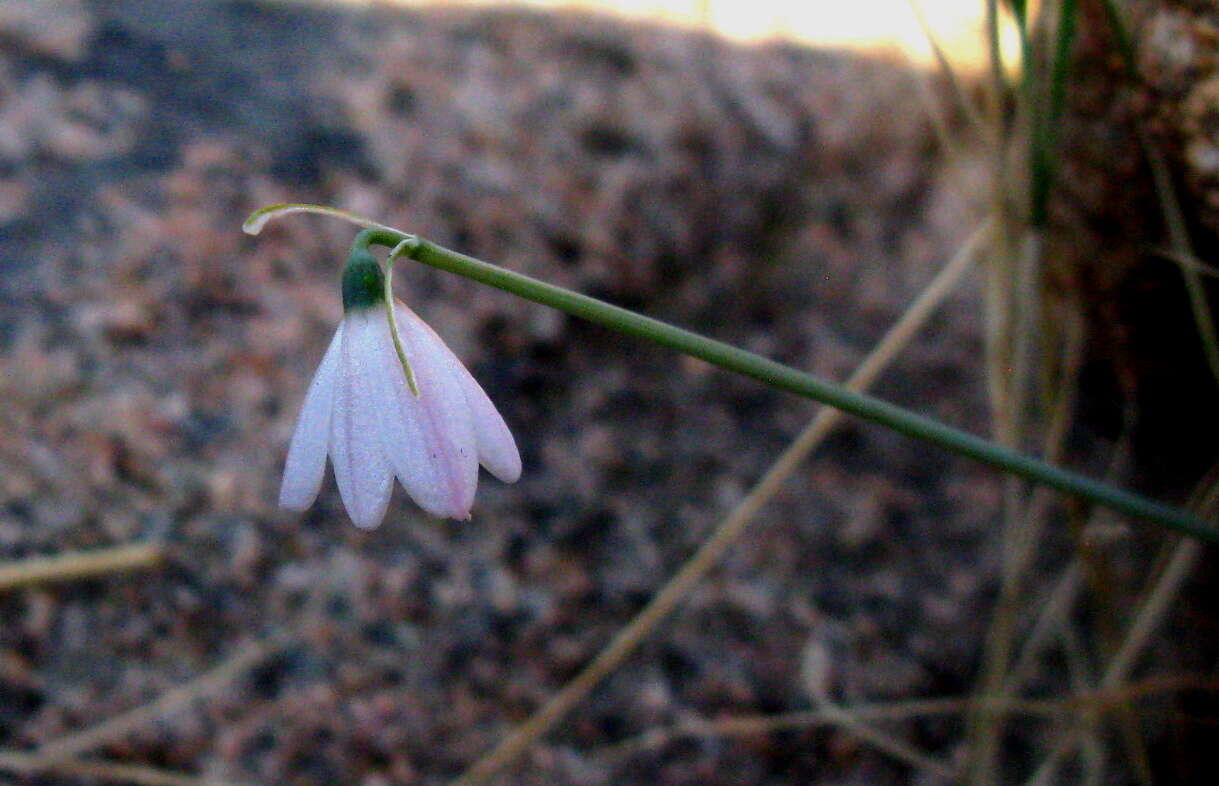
(783, 178)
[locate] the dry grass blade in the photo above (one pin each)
(1019, 332)
(1054, 613)
(53, 753)
(1178, 236)
(1025, 520)
(1164, 589)
(886, 743)
(1190, 262)
(1151, 612)
(790, 721)
(80, 565)
(730, 529)
(25, 763)
(964, 102)
(1098, 701)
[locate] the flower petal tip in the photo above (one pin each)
(294, 505)
(366, 524)
(511, 472)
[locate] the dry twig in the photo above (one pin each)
(56, 752)
(81, 564)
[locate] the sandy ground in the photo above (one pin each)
(152, 361)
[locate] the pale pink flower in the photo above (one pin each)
(361, 412)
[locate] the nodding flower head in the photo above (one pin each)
(390, 399)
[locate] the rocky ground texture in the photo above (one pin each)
(153, 358)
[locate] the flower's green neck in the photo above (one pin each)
(363, 281)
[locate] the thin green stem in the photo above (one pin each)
(393, 329)
(1125, 43)
(1045, 123)
(789, 379)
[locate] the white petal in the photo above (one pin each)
(429, 439)
(496, 446)
(364, 476)
(306, 462)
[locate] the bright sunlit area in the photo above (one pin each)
(889, 26)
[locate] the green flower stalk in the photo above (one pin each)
(777, 375)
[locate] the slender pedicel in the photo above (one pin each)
(767, 371)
